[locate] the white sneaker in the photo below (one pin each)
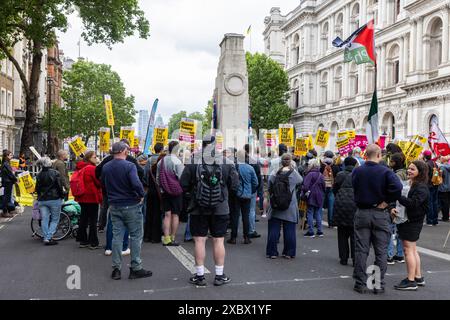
(126, 252)
(108, 252)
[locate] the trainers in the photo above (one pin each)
(343, 262)
(309, 235)
(399, 259)
(319, 234)
(420, 281)
(406, 285)
(116, 274)
(379, 291)
(101, 230)
(171, 244)
(199, 281)
(139, 274)
(108, 252)
(231, 241)
(390, 261)
(247, 241)
(96, 247)
(50, 242)
(254, 235)
(126, 252)
(83, 245)
(221, 280)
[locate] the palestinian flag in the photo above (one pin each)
(437, 140)
(360, 46)
(372, 122)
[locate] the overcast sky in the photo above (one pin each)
(178, 63)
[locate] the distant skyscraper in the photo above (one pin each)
(159, 121)
(143, 123)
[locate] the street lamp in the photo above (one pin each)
(49, 134)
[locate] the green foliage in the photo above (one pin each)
(106, 21)
(85, 86)
(269, 92)
(208, 117)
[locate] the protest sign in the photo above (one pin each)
(286, 134)
(27, 182)
(301, 147)
(161, 135)
(105, 139)
(322, 138)
(109, 110)
(127, 133)
(77, 145)
(188, 129)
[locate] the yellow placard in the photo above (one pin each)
(342, 143)
(27, 182)
(342, 135)
(105, 139)
(351, 134)
(188, 129)
(301, 147)
(161, 135)
(135, 145)
(14, 163)
(77, 145)
(322, 138)
(402, 145)
(109, 110)
(127, 133)
(286, 134)
(219, 142)
(415, 147)
(310, 142)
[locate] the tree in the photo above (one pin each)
(269, 92)
(108, 22)
(84, 112)
(208, 117)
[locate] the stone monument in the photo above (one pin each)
(231, 92)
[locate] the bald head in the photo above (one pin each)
(373, 153)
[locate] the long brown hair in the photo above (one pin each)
(88, 155)
(422, 167)
(5, 155)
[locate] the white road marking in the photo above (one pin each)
(428, 252)
(186, 259)
(1, 227)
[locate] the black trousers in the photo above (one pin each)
(240, 207)
(346, 242)
(103, 218)
(7, 207)
(153, 221)
(444, 199)
(89, 217)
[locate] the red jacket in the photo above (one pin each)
(92, 185)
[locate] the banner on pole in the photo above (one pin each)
(322, 138)
(109, 110)
(301, 147)
(135, 146)
(188, 129)
(127, 133)
(105, 139)
(77, 145)
(286, 134)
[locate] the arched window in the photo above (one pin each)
(397, 9)
(355, 17)
(435, 52)
(324, 87)
(338, 83)
(350, 124)
(394, 65)
(340, 25)
(354, 79)
(370, 79)
(295, 95)
(325, 42)
(434, 120)
(388, 125)
(296, 49)
(334, 129)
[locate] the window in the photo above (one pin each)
(393, 65)
(338, 83)
(325, 42)
(435, 48)
(339, 25)
(324, 88)
(396, 72)
(355, 17)
(3, 102)
(9, 104)
(354, 79)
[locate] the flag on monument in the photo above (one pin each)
(360, 46)
(437, 140)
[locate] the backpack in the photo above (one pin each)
(436, 179)
(209, 186)
(169, 181)
(279, 192)
(77, 183)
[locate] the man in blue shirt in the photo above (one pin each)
(125, 194)
(374, 187)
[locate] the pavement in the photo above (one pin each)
(30, 270)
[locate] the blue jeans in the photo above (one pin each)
(432, 214)
(314, 213)
(391, 253)
(50, 211)
(252, 216)
(131, 218)
(109, 236)
(290, 242)
(261, 196)
(187, 232)
(329, 200)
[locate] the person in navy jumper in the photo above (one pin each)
(374, 187)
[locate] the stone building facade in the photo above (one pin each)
(413, 78)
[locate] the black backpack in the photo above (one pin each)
(280, 192)
(209, 186)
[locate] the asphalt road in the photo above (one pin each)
(29, 270)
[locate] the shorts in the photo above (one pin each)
(174, 204)
(201, 224)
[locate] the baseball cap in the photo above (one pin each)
(119, 147)
(427, 153)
